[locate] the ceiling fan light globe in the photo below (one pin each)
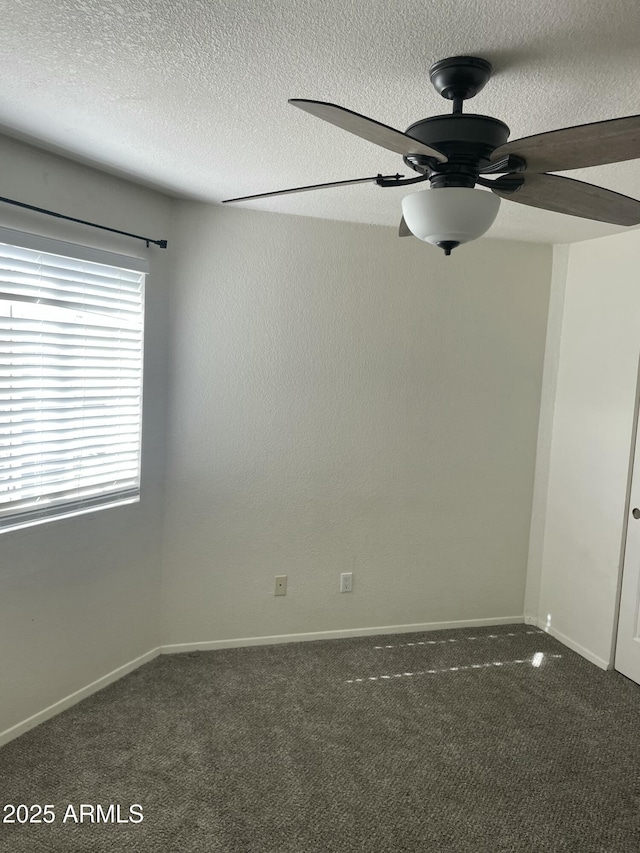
(450, 214)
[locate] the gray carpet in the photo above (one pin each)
(448, 742)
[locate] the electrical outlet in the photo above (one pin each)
(346, 582)
(281, 585)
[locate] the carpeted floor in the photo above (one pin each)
(487, 740)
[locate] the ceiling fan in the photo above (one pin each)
(457, 151)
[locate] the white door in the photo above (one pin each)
(628, 643)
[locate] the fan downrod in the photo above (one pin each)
(459, 78)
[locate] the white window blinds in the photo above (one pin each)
(71, 345)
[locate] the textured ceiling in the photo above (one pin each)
(191, 95)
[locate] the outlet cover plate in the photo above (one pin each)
(346, 582)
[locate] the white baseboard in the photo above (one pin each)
(238, 642)
(571, 644)
(74, 698)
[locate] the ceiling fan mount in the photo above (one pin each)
(460, 77)
(457, 151)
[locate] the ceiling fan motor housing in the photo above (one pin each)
(468, 141)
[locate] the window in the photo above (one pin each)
(71, 339)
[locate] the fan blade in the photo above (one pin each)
(404, 231)
(577, 147)
(367, 128)
(316, 187)
(565, 195)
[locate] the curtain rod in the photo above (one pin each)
(161, 243)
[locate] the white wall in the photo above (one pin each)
(597, 370)
(343, 400)
(79, 598)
